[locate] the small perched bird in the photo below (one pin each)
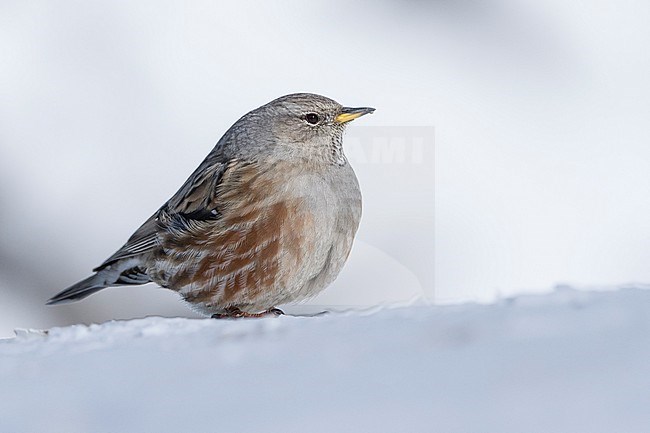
(267, 218)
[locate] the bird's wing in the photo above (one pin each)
(143, 240)
(195, 200)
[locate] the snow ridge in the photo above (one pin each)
(568, 361)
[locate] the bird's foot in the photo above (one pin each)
(236, 313)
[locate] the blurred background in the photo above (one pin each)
(509, 150)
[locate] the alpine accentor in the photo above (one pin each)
(267, 218)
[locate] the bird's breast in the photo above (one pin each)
(281, 235)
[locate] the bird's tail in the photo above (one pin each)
(126, 272)
(82, 289)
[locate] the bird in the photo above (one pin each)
(268, 218)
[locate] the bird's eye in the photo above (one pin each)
(312, 118)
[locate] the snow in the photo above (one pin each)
(568, 361)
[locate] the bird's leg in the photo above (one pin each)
(274, 312)
(236, 313)
(228, 313)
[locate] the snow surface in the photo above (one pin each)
(568, 361)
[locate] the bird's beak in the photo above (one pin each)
(348, 114)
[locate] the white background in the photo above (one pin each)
(540, 112)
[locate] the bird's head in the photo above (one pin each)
(303, 125)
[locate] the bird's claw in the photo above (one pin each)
(236, 313)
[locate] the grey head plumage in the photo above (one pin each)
(300, 125)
